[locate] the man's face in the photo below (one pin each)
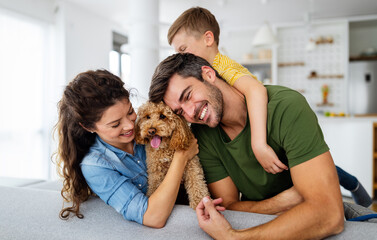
(184, 42)
(198, 102)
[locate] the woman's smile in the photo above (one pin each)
(127, 134)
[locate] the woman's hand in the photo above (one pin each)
(189, 153)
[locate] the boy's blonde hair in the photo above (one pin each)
(195, 21)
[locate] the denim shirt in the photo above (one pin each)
(118, 178)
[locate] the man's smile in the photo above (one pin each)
(203, 111)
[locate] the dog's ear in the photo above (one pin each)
(182, 135)
(140, 114)
(138, 138)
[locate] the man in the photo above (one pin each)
(190, 86)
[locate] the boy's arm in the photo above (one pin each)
(257, 99)
(319, 215)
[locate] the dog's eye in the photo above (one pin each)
(148, 117)
(162, 116)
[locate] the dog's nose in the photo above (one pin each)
(152, 131)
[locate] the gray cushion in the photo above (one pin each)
(352, 210)
(48, 185)
(28, 213)
(18, 182)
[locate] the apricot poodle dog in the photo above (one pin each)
(163, 132)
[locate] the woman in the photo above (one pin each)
(97, 153)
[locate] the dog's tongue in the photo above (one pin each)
(156, 141)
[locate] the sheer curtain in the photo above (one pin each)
(24, 66)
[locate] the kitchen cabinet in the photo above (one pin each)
(261, 68)
(363, 40)
(352, 143)
(375, 160)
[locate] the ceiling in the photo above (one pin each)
(240, 13)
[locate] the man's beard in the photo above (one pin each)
(216, 100)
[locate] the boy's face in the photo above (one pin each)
(184, 42)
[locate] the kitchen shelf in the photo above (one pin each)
(366, 115)
(325, 104)
(291, 64)
(324, 40)
(375, 160)
(326, 76)
(256, 62)
(363, 58)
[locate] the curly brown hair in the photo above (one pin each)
(84, 100)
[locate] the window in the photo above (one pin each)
(24, 134)
(120, 59)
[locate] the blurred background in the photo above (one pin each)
(326, 50)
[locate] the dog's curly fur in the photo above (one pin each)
(159, 119)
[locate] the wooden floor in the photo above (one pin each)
(374, 206)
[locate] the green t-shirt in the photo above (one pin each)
(292, 131)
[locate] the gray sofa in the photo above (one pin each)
(30, 211)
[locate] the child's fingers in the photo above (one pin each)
(267, 170)
(280, 165)
(272, 169)
(277, 169)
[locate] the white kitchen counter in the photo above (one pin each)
(351, 145)
(322, 118)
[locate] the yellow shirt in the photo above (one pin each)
(229, 69)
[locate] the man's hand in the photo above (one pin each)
(211, 220)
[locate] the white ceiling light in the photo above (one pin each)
(264, 37)
(310, 46)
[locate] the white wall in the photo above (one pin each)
(40, 9)
(236, 44)
(85, 39)
(325, 59)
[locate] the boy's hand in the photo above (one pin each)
(268, 159)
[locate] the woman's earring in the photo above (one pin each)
(92, 132)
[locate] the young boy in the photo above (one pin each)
(196, 31)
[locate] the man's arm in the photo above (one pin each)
(319, 215)
(228, 191)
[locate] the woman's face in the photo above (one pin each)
(116, 127)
